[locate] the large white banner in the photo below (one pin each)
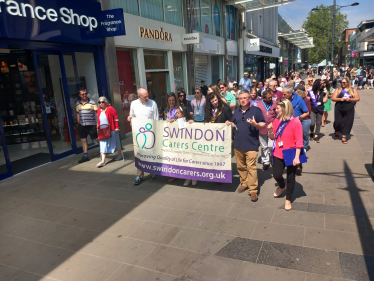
(198, 151)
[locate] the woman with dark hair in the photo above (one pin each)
(213, 88)
(345, 100)
(183, 100)
(318, 98)
(228, 96)
(171, 108)
(215, 110)
(259, 88)
(327, 107)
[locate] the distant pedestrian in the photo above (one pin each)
(287, 133)
(182, 99)
(108, 117)
(231, 83)
(327, 106)
(345, 99)
(370, 78)
(198, 106)
(248, 121)
(143, 108)
(204, 88)
(245, 82)
(318, 98)
(306, 120)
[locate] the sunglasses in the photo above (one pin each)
(243, 116)
(221, 87)
(84, 94)
(102, 102)
(182, 95)
(197, 92)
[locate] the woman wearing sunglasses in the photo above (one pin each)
(345, 99)
(182, 99)
(318, 99)
(171, 108)
(198, 105)
(110, 142)
(228, 96)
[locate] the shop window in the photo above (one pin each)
(216, 68)
(152, 9)
(87, 80)
(250, 66)
(217, 17)
(155, 60)
(127, 74)
(128, 6)
(206, 16)
(173, 12)
(195, 15)
(232, 67)
(178, 71)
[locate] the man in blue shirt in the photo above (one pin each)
(245, 82)
(300, 110)
(248, 120)
(359, 70)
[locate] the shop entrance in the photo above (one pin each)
(38, 92)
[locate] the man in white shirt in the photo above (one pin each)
(231, 83)
(245, 82)
(143, 108)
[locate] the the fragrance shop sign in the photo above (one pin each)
(67, 21)
(156, 34)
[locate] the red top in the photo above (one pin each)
(111, 115)
(268, 117)
(292, 136)
(277, 96)
(307, 101)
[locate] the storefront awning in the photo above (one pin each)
(254, 5)
(300, 38)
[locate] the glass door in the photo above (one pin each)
(55, 108)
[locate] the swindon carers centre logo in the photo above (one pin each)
(146, 138)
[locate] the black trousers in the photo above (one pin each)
(278, 167)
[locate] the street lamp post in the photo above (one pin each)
(333, 30)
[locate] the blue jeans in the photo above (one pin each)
(306, 127)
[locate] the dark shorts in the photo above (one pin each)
(84, 131)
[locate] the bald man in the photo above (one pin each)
(143, 108)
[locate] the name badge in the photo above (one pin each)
(280, 144)
(319, 103)
(197, 113)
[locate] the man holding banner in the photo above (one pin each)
(143, 108)
(248, 121)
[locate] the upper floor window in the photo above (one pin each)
(206, 16)
(169, 11)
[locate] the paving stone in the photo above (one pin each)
(27, 276)
(209, 268)
(299, 218)
(241, 249)
(156, 232)
(241, 211)
(51, 213)
(84, 267)
(260, 272)
(149, 213)
(330, 209)
(9, 273)
(200, 241)
(300, 258)
(356, 267)
(182, 202)
(316, 277)
(297, 206)
(9, 220)
(168, 260)
(279, 233)
(349, 242)
(213, 207)
(131, 273)
(120, 225)
(87, 241)
(230, 226)
(345, 223)
(124, 250)
(181, 218)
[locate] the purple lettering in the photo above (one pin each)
(174, 132)
(221, 136)
(201, 136)
(210, 132)
(167, 133)
(188, 133)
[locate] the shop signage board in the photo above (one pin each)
(112, 23)
(197, 151)
(50, 20)
(156, 34)
(191, 38)
(265, 49)
(253, 44)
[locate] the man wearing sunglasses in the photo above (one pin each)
(248, 120)
(86, 115)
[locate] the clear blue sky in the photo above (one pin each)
(298, 10)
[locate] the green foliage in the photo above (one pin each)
(318, 24)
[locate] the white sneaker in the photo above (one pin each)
(187, 182)
(118, 158)
(194, 182)
(100, 164)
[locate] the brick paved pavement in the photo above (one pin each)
(66, 221)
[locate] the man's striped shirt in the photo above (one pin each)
(87, 112)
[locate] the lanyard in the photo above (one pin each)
(198, 105)
(314, 100)
(267, 107)
(347, 95)
(280, 131)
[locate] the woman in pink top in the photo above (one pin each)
(287, 132)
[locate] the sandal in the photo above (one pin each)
(171, 179)
(344, 140)
(276, 195)
(336, 136)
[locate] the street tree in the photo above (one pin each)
(319, 25)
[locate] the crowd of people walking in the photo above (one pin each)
(275, 115)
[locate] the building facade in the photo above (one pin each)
(365, 43)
